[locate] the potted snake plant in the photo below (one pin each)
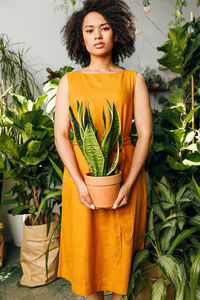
(104, 180)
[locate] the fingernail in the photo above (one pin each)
(92, 206)
(114, 206)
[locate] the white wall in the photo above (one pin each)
(37, 25)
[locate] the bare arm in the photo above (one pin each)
(61, 132)
(143, 122)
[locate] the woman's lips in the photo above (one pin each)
(99, 45)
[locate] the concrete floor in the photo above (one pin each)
(10, 274)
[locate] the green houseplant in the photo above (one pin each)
(30, 159)
(169, 234)
(97, 152)
(27, 153)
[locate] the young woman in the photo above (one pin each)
(97, 245)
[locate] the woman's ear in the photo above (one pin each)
(115, 38)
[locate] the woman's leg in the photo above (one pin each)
(96, 296)
(116, 296)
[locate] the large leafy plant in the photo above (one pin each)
(171, 236)
(182, 55)
(97, 152)
(27, 157)
(178, 147)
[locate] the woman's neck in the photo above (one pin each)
(101, 64)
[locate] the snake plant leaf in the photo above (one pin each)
(104, 125)
(91, 120)
(76, 129)
(115, 161)
(93, 152)
(112, 135)
(158, 290)
(194, 276)
(85, 118)
(80, 118)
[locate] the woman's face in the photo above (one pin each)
(97, 34)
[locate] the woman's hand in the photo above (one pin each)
(84, 195)
(123, 196)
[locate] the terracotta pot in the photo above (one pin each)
(152, 274)
(103, 190)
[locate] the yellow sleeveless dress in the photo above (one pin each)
(96, 246)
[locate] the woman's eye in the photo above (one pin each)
(89, 30)
(106, 28)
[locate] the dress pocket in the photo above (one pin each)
(127, 220)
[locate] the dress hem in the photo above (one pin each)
(87, 291)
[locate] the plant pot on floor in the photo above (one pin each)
(152, 273)
(103, 190)
(32, 255)
(16, 224)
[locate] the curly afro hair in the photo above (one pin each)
(119, 17)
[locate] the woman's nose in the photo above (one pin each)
(98, 34)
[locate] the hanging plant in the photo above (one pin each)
(177, 13)
(65, 5)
